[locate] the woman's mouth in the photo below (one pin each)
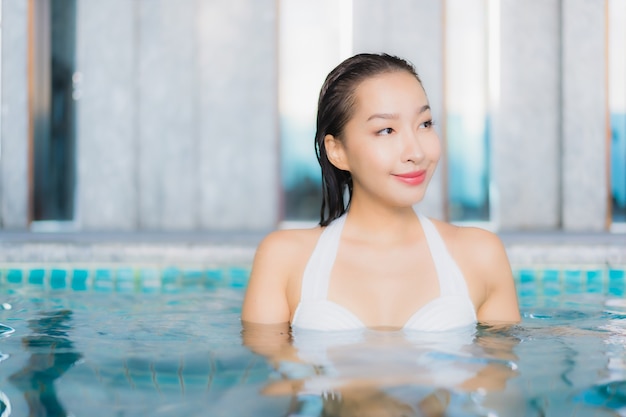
(412, 178)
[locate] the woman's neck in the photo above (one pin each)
(382, 224)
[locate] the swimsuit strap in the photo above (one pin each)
(317, 272)
(451, 281)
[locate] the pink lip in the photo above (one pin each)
(412, 178)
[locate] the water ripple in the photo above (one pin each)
(5, 330)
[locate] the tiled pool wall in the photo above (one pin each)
(116, 278)
(540, 267)
(531, 280)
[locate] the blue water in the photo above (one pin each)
(125, 342)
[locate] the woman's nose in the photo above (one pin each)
(411, 148)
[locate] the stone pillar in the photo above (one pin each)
(526, 136)
(106, 117)
(238, 114)
(411, 29)
(167, 96)
(14, 153)
(584, 122)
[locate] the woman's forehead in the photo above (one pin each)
(390, 93)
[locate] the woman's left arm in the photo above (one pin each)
(492, 264)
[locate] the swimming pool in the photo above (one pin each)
(135, 341)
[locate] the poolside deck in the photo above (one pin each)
(174, 248)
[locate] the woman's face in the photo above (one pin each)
(389, 145)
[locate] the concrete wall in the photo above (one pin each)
(177, 111)
(526, 148)
(584, 115)
(177, 116)
(238, 110)
(14, 182)
(106, 116)
(549, 145)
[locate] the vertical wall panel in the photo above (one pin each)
(526, 140)
(14, 142)
(166, 113)
(584, 115)
(238, 114)
(106, 128)
(413, 30)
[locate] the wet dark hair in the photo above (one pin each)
(334, 109)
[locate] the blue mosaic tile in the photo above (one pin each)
(215, 275)
(125, 279)
(170, 275)
(192, 277)
(551, 282)
(616, 283)
(36, 276)
(550, 276)
(58, 279)
(79, 279)
(527, 288)
(14, 276)
(595, 282)
(167, 380)
(239, 277)
(617, 274)
(151, 278)
(573, 281)
(526, 276)
(195, 382)
(103, 280)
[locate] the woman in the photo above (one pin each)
(373, 261)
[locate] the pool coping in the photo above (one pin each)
(227, 248)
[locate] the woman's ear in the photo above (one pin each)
(336, 152)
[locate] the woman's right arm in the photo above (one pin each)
(266, 296)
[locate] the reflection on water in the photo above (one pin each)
(51, 355)
(375, 373)
(181, 354)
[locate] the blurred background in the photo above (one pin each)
(192, 115)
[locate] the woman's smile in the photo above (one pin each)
(412, 178)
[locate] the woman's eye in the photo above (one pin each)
(427, 124)
(385, 131)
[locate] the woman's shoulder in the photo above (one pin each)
(477, 245)
(288, 245)
(291, 239)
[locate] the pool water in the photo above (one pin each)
(127, 342)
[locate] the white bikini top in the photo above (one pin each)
(452, 309)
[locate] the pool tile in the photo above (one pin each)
(14, 276)
(193, 277)
(595, 281)
(150, 279)
(239, 277)
(551, 282)
(170, 275)
(79, 279)
(37, 276)
(215, 276)
(573, 281)
(125, 280)
(526, 276)
(58, 279)
(616, 283)
(103, 280)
